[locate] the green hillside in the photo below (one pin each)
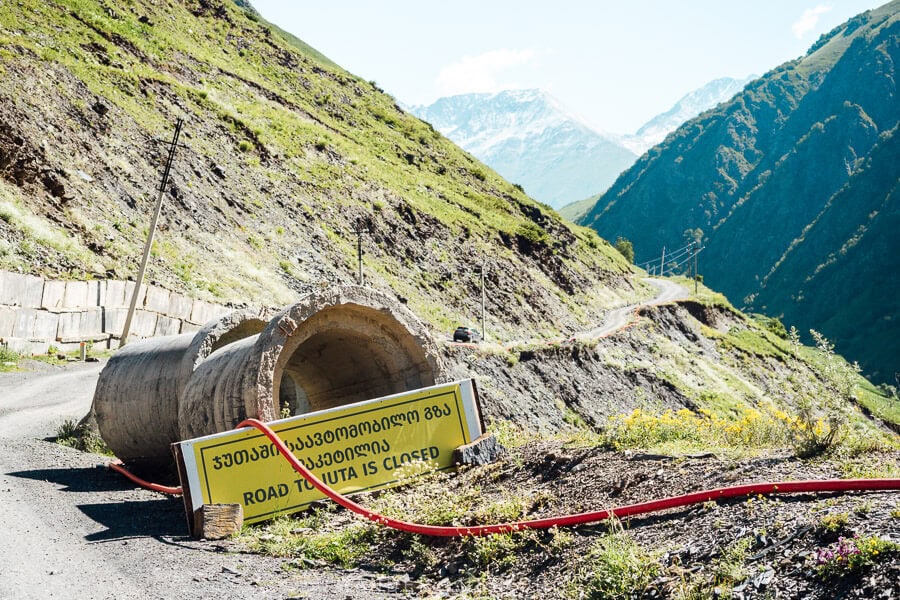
(576, 210)
(849, 253)
(765, 177)
(284, 156)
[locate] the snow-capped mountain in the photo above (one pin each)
(532, 139)
(528, 137)
(692, 104)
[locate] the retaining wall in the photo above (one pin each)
(37, 313)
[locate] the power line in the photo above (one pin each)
(674, 267)
(670, 254)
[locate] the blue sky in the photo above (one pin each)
(616, 64)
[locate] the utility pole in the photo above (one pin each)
(140, 276)
(696, 252)
(690, 259)
(360, 230)
(483, 273)
(662, 263)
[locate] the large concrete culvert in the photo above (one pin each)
(331, 348)
(139, 390)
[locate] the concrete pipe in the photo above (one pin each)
(138, 392)
(331, 348)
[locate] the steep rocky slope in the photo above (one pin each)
(283, 157)
(763, 176)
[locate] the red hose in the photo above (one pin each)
(783, 487)
(750, 489)
(118, 466)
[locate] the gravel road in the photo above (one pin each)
(616, 319)
(74, 529)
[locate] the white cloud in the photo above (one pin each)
(808, 20)
(480, 73)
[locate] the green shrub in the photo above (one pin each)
(834, 522)
(854, 554)
(533, 233)
(816, 435)
(80, 437)
(615, 567)
(499, 551)
(772, 325)
(625, 248)
(7, 355)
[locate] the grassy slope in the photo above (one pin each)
(756, 173)
(307, 151)
(574, 211)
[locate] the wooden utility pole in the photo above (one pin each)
(360, 230)
(696, 252)
(162, 190)
(483, 313)
(662, 263)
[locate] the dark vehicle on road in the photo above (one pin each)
(466, 334)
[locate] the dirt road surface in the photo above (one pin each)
(74, 529)
(616, 319)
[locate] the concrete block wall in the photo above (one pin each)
(36, 313)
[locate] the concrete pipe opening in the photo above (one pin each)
(346, 354)
(138, 392)
(331, 348)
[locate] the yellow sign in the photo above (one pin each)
(352, 448)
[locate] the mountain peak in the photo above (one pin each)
(689, 106)
(531, 138)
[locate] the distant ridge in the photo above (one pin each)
(689, 106)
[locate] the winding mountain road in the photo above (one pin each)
(619, 318)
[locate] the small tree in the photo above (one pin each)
(693, 235)
(625, 248)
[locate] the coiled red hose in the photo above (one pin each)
(750, 489)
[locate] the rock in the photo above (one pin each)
(485, 450)
(763, 579)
